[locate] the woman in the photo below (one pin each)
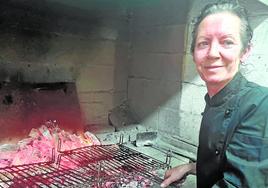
(233, 139)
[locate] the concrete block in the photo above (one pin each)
(256, 66)
(169, 121)
(95, 113)
(95, 78)
(161, 13)
(255, 69)
(81, 51)
(97, 105)
(151, 121)
(192, 98)
(147, 96)
(123, 33)
(99, 128)
(48, 73)
(173, 102)
(156, 66)
(190, 74)
(96, 97)
(189, 127)
(119, 97)
(259, 39)
(121, 69)
(160, 39)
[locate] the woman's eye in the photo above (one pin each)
(202, 44)
(227, 43)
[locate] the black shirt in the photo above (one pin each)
(242, 161)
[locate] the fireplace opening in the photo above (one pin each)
(29, 105)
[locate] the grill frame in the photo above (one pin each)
(92, 166)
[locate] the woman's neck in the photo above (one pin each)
(213, 89)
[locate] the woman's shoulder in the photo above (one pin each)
(253, 113)
(254, 92)
(253, 101)
(253, 98)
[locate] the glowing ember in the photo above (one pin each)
(40, 143)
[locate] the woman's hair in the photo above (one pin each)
(225, 6)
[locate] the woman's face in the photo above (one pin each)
(218, 47)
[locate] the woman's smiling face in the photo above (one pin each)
(217, 52)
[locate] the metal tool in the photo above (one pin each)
(146, 139)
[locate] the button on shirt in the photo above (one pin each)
(246, 156)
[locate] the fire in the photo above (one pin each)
(38, 146)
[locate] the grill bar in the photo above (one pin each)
(94, 166)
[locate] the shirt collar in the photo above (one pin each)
(224, 94)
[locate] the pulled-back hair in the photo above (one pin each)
(232, 7)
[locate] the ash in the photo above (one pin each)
(124, 182)
(132, 184)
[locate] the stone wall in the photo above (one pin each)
(156, 64)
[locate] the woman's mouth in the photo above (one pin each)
(213, 67)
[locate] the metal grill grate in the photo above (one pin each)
(94, 166)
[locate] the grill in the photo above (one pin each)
(112, 165)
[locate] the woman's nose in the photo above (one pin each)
(214, 51)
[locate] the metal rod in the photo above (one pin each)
(168, 159)
(93, 166)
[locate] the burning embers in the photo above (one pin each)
(40, 143)
(78, 161)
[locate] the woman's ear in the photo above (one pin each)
(246, 53)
